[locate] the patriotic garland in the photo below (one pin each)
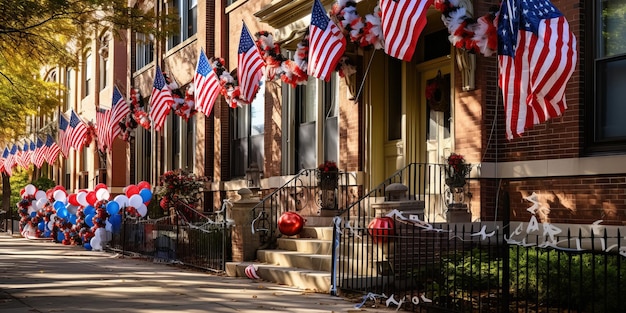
(475, 35)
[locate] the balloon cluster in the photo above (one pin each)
(86, 218)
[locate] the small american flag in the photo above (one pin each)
(62, 138)
(119, 110)
(10, 160)
(3, 159)
(537, 56)
(207, 85)
(38, 156)
(326, 44)
(402, 22)
(161, 100)
(76, 132)
(51, 151)
(103, 130)
(24, 161)
(249, 65)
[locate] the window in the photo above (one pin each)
(609, 66)
(249, 129)
(88, 70)
(145, 51)
(187, 11)
(104, 61)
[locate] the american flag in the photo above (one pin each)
(10, 160)
(103, 130)
(326, 44)
(119, 110)
(402, 22)
(62, 138)
(207, 85)
(249, 65)
(32, 151)
(161, 100)
(51, 150)
(38, 155)
(3, 159)
(537, 56)
(76, 132)
(23, 158)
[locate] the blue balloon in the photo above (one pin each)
(60, 236)
(89, 220)
(116, 223)
(146, 195)
(33, 214)
(88, 210)
(87, 246)
(47, 233)
(57, 205)
(42, 225)
(72, 219)
(113, 208)
(62, 213)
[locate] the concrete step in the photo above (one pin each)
(317, 232)
(317, 281)
(305, 245)
(307, 261)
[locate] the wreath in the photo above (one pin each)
(438, 94)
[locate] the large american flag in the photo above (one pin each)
(103, 130)
(51, 151)
(402, 22)
(161, 100)
(76, 132)
(38, 155)
(119, 110)
(537, 56)
(207, 85)
(326, 44)
(249, 65)
(62, 138)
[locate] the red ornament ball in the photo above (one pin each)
(381, 228)
(290, 223)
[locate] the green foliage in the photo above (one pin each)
(475, 268)
(18, 180)
(569, 280)
(44, 183)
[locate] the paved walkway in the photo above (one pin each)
(41, 276)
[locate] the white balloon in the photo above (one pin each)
(81, 197)
(142, 210)
(122, 200)
(135, 201)
(51, 224)
(59, 195)
(40, 194)
(96, 243)
(31, 209)
(102, 194)
(30, 190)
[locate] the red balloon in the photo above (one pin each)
(143, 184)
(92, 198)
(290, 223)
(381, 228)
(71, 198)
(100, 186)
(132, 190)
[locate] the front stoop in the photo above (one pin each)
(302, 261)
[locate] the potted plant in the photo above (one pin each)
(457, 170)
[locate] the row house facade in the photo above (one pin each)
(372, 123)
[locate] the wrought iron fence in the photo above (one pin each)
(421, 264)
(187, 237)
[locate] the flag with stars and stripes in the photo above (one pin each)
(161, 100)
(3, 159)
(38, 156)
(51, 151)
(119, 110)
(402, 22)
(76, 132)
(103, 129)
(326, 44)
(536, 56)
(62, 138)
(207, 85)
(250, 65)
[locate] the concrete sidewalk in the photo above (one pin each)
(42, 276)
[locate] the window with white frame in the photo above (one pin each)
(187, 12)
(144, 51)
(609, 66)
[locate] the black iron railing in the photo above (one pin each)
(188, 237)
(307, 193)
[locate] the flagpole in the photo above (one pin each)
(356, 98)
